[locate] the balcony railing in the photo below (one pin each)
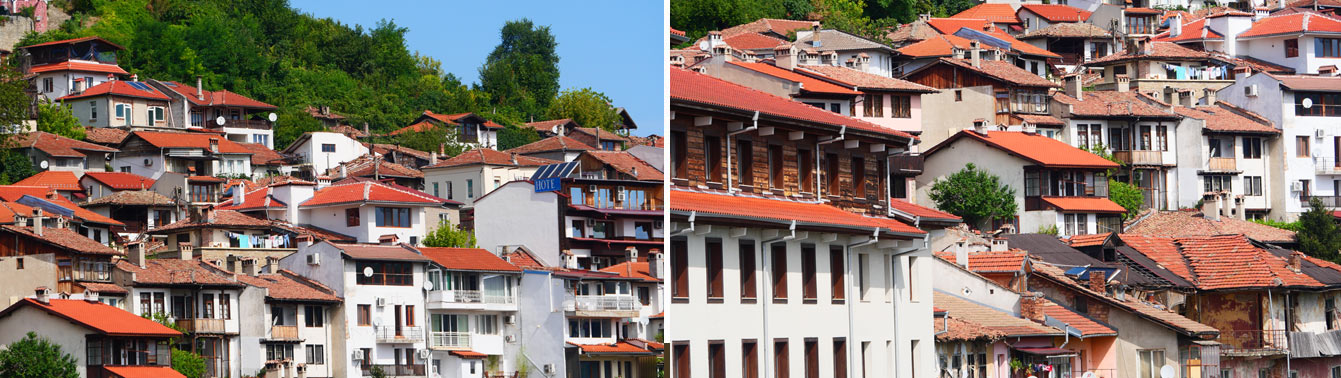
(449, 340)
(389, 334)
(92, 271)
(1139, 157)
(472, 296)
(1327, 201)
(1221, 164)
(1326, 166)
(905, 163)
(281, 332)
(240, 123)
(607, 303)
(201, 325)
(395, 370)
(1252, 341)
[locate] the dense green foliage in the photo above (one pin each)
(266, 50)
(512, 136)
(16, 166)
(869, 18)
(57, 119)
(585, 106)
(36, 357)
(189, 364)
(1292, 226)
(1126, 195)
(448, 235)
(974, 195)
(1318, 234)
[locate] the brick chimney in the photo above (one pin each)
(1031, 306)
(1098, 281)
(1210, 206)
(1297, 261)
(1074, 87)
(1123, 83)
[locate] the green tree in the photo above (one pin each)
(36, 357)
(448, 235)
(512, 136)
(189, 364)
(1126, 195)
(56, 118)
(1318, 233)
(16, 167)
(585, 106)
(848, 16)
(523, 70)
(974, 195)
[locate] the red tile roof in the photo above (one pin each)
(960, 330)
(769, 25)
(1086, 326)
(56, 145)
(400, 252)
(97, 316)
(368, 192)
(132, 198)
(1087, 240)
(11, 193)
(622, 347)
(1001, 70)
(865, 81)
(349, 131)
(289, 286)
(752, 41)
(77, 66)
(468, 354)
(102, 288)
(1310, 83)
(118, 88)
(262, 155)
(64, 238)
(143, 372)
(104, 135)
(59, 180)
(487, 156)
(990, 318)
(1068, 30)
(523, 259)
(1084, 204)
(388, 149)
(781, 210)
(699, 88)
(1057, 12)
(549, 124)
(1035, 148)
(368, 166)
(1163, 250)
(1038, 119)
(601, 134)
(455, 119)
(218, 218)
(996, 12)
(262, 198)
(1223, 119)
(1159, 50)
(121, 180)
(953, 24)
(1194, 31)
(937, 46)
(1158, 315)
(991, 261)
(1139, 10)
(1178, 223)
(626, 163)
(416, 128)
(1231, 261)
(808, 84)
(1292, 24)
(160, 272)
(216, 98)
(190, 140)
(554, 143)
(926, 213)
(472, 259)
(627, 269)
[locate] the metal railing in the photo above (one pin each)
(449, 340)
(282, 332)
(389, 334)
(201, 325)
(607, 303)
(1326, 166)
(395, 370)
(470, 296)
(1327, 201)
(1252, 340)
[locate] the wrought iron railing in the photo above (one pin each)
(391, 334)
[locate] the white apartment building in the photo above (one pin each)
(1231, 150)
(296, 324)
(472, 313)
(383, 291)
(471, 175)
(320, 151)
(58, 73)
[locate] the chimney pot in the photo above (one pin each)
(1098, 282)
(1031, 307)
(1296, 261)
(37, 221)
(200, 88)
(1210, 206)
(1074, 87)
(43, 295)
(1123, 82)
(388, 239)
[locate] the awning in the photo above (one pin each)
(468, 354)
(143, 372)
(1049, 352)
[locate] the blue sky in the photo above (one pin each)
(616, 47)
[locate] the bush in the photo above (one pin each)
(1126, 195)
(448, 235)
(189, 364)
(36, 357)
(974, 195)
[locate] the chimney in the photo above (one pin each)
(975, 53)
(388, 239)
(569, 260)
(1241, 72)
(134, 77)
(714, 38)
(344, 171)
(1210, 206)
(631, 256)
(442, 149)
(365, 129)
(924, 17)
(1224, 204)
(1123, 83)
(1031, 307)
(239, 194)
(433, 158)
(815, 34)
(980, 126)
(1176, 25)
(207, 214)
(961, 254)
(136, 255)
(784, 56)
(43, 295)
(1296, 261)
(1098, 282)
(325, 110)
(654, 263)
(863, 61)
(1209, 97)
(1327, 70)
(214, 145)
(200, 89)
(1185, 99)
(1074, 87)
(91, 296)
(1238, 208)
(37, 221)
(1000, 245)
(184, 250)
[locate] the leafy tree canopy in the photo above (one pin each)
(16, 167)
(1126, 195)
(36, 357)
(974, 195)
(868, 18)
(512, 136)
(1318, 234)
(188, 363)
(523, 70)
(57, 119)
(448, 235)
(587, 107)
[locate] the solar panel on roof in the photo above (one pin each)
(985, 38)
(555, 170)
(45, 205)
(139, 85)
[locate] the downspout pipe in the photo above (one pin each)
(692, 215)
(768, 295)
(819, 185)
(754, 126)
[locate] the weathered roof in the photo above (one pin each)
(1309, 83)
(400, 252)
(1111, 104)
(168, 272)
(1158, 315)
(216, 98)
(554, 143)
(120, 180)
(1068, 30)
(56, 145)
(488, 156)
(1003, 71)
(991, 261)
(808, 84)
(1057, 12)
(834, 40)
(1223, 118)
(97, 316)
(190, 140)
(865, 81)
(132, 198)
(289, 286)
(627, 164)
(105, 135)
(1007, 324)
(262, 155)
(472, 259)
(64, 238)
(1179, 223)
(1081, 323)
(119, 88)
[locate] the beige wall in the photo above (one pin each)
(942, 116)
(38, 270)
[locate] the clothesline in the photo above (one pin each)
(258, 241)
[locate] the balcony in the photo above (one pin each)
(605, 305)
(257, 124)
(202, 325)
(449, 340)
(1139, 157)
(390, 334)
(1221, 164)
(1326, 166)
(1330, 202)
(92, 271)
(1253, 342)
(395, 370)
(281, 332)
(448, 299)
(908, 162)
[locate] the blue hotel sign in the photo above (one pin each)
(547, 185)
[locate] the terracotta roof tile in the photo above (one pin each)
(120, 180)
(491, 157)
(996, 320)
(416, 128)
(1087, 327)
(554, 143)
(752, 41)
(1194, 31)
(132, 198)
(912, 32)
(369, 192)
(1038, 119)
(71, 65)
(626, 163)
(695, 87)
(1033, 147)
(72, 41)
(12, 193)
(144, 372)
(1140, 10)
(1057, 12)
(1004, 71)
(368, 166)
(1292, 24)
(289, 286)
(64, 238)
(628, 269)
(549, 124)
(939, 46)
(953, 24)
(473, 259)
(258, 199)
(601, 134)
(1231, 261)
(220, 219)
(165, 272)
(768, 25)
(97, 316)
(991, 261)
(387, 149)
(1177, 223)
(190, 140)
(926, 213)
(400, 252)
(1111, 104)
(1087, 240)
(808, 84)
(960, 330)
(1084, 204)
(1223, 119)
(59, 180)
(995, 12)
(59, 146)
(119, 88)
(1150, 312)
(348, 131)
(1068, 30)
(781, 210)
(865, 81)
(102, 288)
(104, 135)
(523, 259)
(621, 347)
(216, 98)
(1310, 83)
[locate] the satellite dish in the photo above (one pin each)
(219, 121)
(1307, 103)
(367, 271)
(272, 117)
(43, 164)
(428, 285)
(1088, 374)
(556, 129)
(1167, 372)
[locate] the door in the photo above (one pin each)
(398, 321)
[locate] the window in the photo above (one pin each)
(1327, 47)
(352, 217)
(747, 271)
(1291, 48)
(261, 139)
(901, 106)
(840, 358)
(470, 188)
(863, 279)
(779, 272)
(327, 147)
(1075, 224)
(1031, 101)
(155, 114)
(959, 95)
(48, 85)
(1089, 135)
(680, 359)
(775, 166)
(487, 324)
(1215, 183)
(874, 106)
(809, 287)
(1252, 148)
(590, 328)
(449, 190)
(714, 274)
(385, 273)
(435, 190)
(1329, 310)
(409, 315)
(602, 229)
(812, 358)
(1151, 361)
(836, 274)
(679, 260)
(679, 165)
(745, 162)
(578, 229)
(832, 174)
(316, 354)
(197, 119)
(207, 306)
(393, 217)
(1320, 104)
(836, 107)
(19, 262)
(1301, 146)
(276, 352)
(1252, 185)
(712, 158)
(749, 351)
(1161, 138)
(314, 316)
(781, 367)
(806, 169)
(914, 277)
(716, 360)
(226, 305)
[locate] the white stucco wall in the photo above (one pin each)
(516, 206)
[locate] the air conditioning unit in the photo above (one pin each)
(148, 162)
(423, 354)
(1296, 186)
(510, 319)
(621, 194)
(511, 338)
(549, 369)
(592, 188)
(314, 259)
(1318, 133)
(381, 302)
(657, 224)
(1250, 91)
(358, 355)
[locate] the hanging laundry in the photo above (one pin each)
(245, 241)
